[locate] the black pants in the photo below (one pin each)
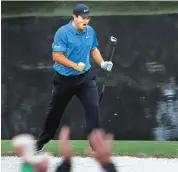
(64, 87)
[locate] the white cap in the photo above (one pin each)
(25, 140)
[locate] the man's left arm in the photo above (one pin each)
(96, 55)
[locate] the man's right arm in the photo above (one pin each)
(61, 59)
(59, 47)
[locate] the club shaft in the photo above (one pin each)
(105, 81)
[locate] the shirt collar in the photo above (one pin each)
(74, 30)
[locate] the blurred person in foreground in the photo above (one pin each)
(24, 145)
(39, 163)
(101, 143)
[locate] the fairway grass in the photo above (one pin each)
(119, 147)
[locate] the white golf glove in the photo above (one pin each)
(107, 65)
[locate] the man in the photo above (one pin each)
(73, 44)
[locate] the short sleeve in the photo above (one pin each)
(95, 41)
(60, 41)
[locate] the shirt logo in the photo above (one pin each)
(87, 37)
(57, 46)
(86, 10)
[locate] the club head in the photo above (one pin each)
(113, 39)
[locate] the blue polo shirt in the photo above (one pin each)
(76, 47)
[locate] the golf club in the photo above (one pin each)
(113, 40)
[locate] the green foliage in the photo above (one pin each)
(64, 8)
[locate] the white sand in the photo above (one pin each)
(124, 164)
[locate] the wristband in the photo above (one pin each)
(109, 167)
(64, 167)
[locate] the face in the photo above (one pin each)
(19, 151)
(81, 22)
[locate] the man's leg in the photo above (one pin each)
(88, 94)
(61, 94)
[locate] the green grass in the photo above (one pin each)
(119, 147)
(105, 8)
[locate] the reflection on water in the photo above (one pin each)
(167, 112)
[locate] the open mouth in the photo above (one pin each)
(84, 24)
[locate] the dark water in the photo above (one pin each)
(141, 98)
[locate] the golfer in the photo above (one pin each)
(72, 47)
